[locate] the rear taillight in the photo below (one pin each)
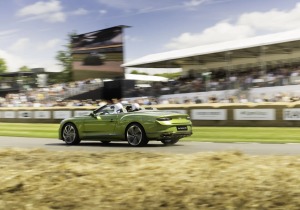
(164, 119)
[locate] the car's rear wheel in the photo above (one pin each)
(70, 134)
(170, 141)
(135, 135)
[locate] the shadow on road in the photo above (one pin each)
(111, 144)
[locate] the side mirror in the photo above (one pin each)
(92, 114)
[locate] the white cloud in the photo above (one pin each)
(131, 39)
(13, 62)
(8, 33)
(247, 25)
(53, 43)
(80, 11)
(273, 20)
(50, 11)
(20, 45)
(146, 6)
(40, 8)
(55, 17)
(102, 12)
(140, 6)
(50, 65)
(221, 32)
(194, 3)
(121, 4)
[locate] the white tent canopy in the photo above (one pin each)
(140, 77)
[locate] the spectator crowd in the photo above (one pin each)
(178, 90)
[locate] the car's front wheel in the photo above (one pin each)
(70, 134)
(135, 135)
(170, 141)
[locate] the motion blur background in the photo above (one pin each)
(54, 53)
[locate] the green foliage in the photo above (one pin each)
(137, 72)
(3, 66)
(24, 69)
(169, 75)
(65, 59)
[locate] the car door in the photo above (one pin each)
(100, 125)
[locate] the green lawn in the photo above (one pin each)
(29, 130)
(204, 134)
(246, 134)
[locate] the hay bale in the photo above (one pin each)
(40, 179)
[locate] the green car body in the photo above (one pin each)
(136, 127)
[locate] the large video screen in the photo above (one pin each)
(98, 54)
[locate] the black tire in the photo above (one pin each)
(170, 141)
(70, 134)
(135, 135)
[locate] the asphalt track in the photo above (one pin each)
(181, 147)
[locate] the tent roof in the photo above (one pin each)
(141, 77)
(270, 39)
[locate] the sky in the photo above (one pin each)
(32, 32)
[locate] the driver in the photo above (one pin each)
(118, 106)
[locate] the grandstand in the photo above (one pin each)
(15, 82)
(270, 50)
(257, 62)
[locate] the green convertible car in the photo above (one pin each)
(135, 127)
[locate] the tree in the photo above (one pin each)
(65, 59)
(137, 72)
(23, 69)
(170, 75)
(3, 66)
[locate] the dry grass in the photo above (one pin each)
(38, 179)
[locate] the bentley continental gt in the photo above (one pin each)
(135, 127)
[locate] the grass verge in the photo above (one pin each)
(39, 130)
(246, 134)
(201, 134)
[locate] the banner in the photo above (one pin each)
(9, 114)
(209, 114)
(61, 114)
(24, 114)
(291, 114)
(254, 114)
(42, 115)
